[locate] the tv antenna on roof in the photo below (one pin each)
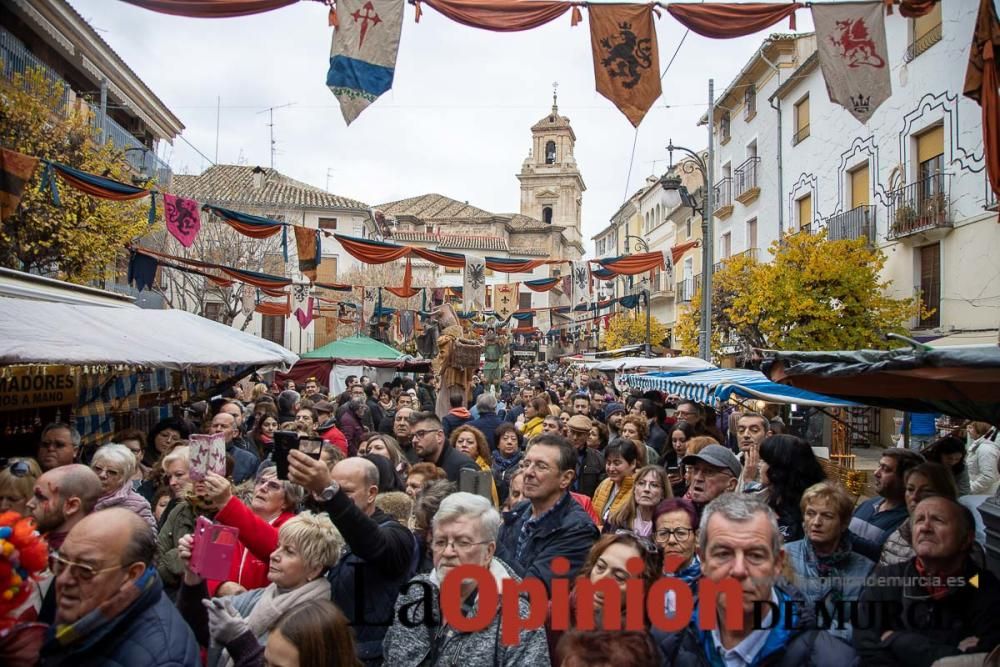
(270, 124)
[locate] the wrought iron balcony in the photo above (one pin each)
(724, 198)
(923, 206)
(686, 289)
(747, 188)
(751, 254)
(922, 43)
(662, 286)
(858, 223)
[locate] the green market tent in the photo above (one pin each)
(333, 362)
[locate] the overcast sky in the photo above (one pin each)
(457, 121)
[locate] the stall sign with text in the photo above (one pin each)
(36, 387)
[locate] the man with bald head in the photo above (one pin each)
(110, 607)
(380, 554)
(61, 498)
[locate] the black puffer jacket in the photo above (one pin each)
(925, 630)
(801, 646)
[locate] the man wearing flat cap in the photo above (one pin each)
(712, 471)
(590, 462)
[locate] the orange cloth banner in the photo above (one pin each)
(501, 16)
(981, 82)
(626, 57)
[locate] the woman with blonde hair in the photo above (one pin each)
(651, 486)
(235, 626)
(17, 484)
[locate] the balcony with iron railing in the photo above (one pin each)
(662, 286)
(17, 59)
(922, 43)
(858, 223)
(923, 207)
(751, 254)
(686, 289)
(723, 198)
(747, 188)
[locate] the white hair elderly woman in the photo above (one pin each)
(463, 532)
(235, 628)
(115, 466)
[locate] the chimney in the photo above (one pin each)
(258, 178)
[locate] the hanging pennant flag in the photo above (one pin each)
(307, 245)
(369, 295)
(142, 271)
(183, 218)
(305, 318)
(249, 300)
(474, 284)
(506, 298)
(626, 57)
(15, 170)
(581, 283)
(853, 55)
(363, 52)
(543, 321)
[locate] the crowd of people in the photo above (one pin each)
(344, 561)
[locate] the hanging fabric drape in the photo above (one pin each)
(15, 172)
(275, 308)
(371, 252)
(211, 9)
(406, 290)
(677, 252)
(336, 287)
(981, 82)
(514, 265)
(501, 15)
(723, 20)
(912, 9)
(541, 284)
(450, 260)
(97, 186)
(254, 226)
(630, 265)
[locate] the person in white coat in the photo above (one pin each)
(982, 458)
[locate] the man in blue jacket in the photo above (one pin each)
(110, 607)
(549, 523)
(488, 420)
(739, 539)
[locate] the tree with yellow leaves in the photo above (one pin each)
(627, 329)
(80, 239)
(816, 294)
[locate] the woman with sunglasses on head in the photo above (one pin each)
(651, 487)
(115, 465)
(675, 524)
(273, 503)
(606, 572)
(17, 483)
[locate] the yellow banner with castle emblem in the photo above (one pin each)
(23, 387)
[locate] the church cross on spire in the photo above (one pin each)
(555, 89)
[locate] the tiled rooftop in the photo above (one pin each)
(234, 184)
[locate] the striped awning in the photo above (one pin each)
(719, 384)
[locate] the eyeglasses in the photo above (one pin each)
(708, 472)
(461, 544)
(419, 435)
(539, 466)
(646, 545)
(58, 565)
(110, 472)
(271, 485)
(680, 534)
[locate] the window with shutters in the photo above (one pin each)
(750, 102)
(213, 311)
(804, 213)
(801, 120)
(272, 328)
(930, 284)
(930, 163)
(752, 234)
(328, 223)
(860, 187)
(725, 128)
(326, 272)
(524, 303)
(727, 245)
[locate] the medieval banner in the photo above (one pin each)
(474, 284)
(543, 320)
(626, 57)
(506, 298)
(853, 55)
(581, 282)
(307, 244)
(363, 53)
(183, 218)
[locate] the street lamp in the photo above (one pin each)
(677, 195)
(644, 246)
(143, 175)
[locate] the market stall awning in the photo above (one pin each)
(39, 332)
(957, 381)
(674, 364)
(359, 350)
(719, 384)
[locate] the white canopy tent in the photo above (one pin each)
(38, 332)
(654, 363)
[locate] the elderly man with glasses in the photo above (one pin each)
(714, 470)
(430, 446)
(464, 532)
(58, 446)
(110, 607)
